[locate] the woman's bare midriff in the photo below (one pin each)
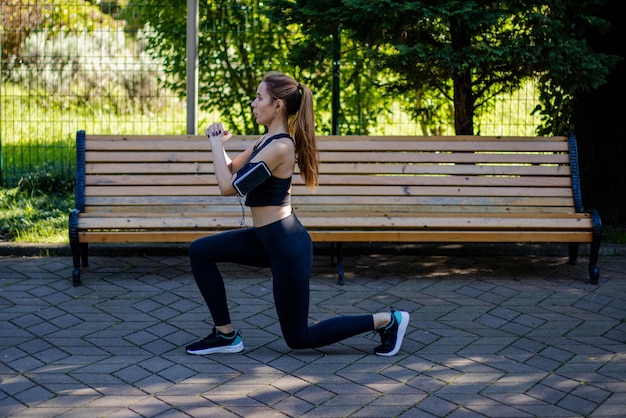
(265, 215)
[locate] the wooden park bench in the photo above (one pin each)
(459, 189)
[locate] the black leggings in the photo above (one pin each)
(284, 246)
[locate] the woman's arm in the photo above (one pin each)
(225, 168)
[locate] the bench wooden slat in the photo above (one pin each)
(347, 208)
(375, 146)
(450, 236)
(448, 180)
(410, 201)
(353, 211)
(190, 143)
(351, 236)
(440, 169)
(141, 180)
(304, 201)
(311, 210)
(149, 168)
(339, 168)
(344, 179)
(147, 156)
(192, 190)
(443, 158)
(340, 191)
(435, 191)
(328, 157)
(160, 200)
(427, 210)
(339, 221)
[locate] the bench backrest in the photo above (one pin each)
(365, 173)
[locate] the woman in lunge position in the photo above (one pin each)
(278, 240)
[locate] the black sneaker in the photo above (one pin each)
(391, 335)
(217, 342)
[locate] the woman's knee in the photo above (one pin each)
(195, 245)
(200, 247)
(194, 249)
(296, 342)
(296, 337)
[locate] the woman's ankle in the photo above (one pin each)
(381, 319)
(225, 329)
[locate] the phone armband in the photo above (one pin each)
(250, 176)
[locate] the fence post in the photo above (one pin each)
(1, 79)
(192, 67)
(336, 78)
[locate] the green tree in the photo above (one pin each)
(473, 50)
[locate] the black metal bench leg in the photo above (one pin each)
(594, 271)
(573, 252)
(75, 246)
(340, 271)
(84, 254)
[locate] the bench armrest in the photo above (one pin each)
(79, 196)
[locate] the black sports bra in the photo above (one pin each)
(273, 191)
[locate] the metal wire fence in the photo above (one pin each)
(85, 67)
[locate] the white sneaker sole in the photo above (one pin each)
(215, 350)
(399, 336)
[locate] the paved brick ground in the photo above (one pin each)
(490, 336)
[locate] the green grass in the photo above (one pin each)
(36, 211)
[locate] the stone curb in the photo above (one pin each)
(63, 250)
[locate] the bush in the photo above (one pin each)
(36, 210)
(46, 182)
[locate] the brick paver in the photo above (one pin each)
(490, 336)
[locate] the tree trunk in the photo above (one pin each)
(463, 104)
(462, 81)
